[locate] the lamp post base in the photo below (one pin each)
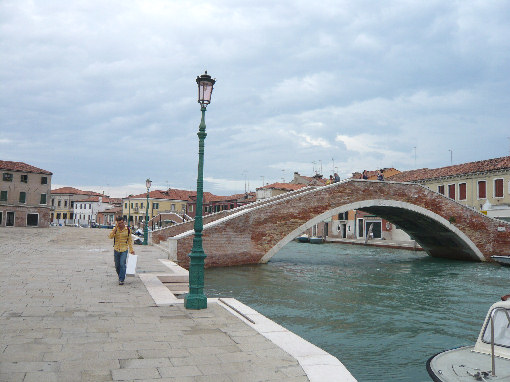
(195, 301)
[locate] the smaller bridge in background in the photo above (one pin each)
(256, 232)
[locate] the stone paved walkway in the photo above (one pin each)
(63, 317)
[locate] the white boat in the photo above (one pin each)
(503, 260)
(488, 360)
(303, 238)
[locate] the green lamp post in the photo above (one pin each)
(196, 298)
(146, 226)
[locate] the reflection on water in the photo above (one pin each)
(382, 312)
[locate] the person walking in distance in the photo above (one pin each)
(122, 241)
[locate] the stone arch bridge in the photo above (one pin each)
(255, 232)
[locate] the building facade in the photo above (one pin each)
(482, 185)
(134, 207)
(62, 204)
(86, 211)
(274, 189)
(24, 195)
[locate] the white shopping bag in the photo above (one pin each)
(131, 265)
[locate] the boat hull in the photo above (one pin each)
(316, 240)
(503, 260)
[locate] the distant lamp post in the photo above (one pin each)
(196, 298)
(146, 226)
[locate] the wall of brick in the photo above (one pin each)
(246, 238)
(20, 215)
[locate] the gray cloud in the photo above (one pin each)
(104, 92)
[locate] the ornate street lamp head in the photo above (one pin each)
(205, 88)
(148, 183)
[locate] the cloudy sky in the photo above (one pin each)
(103, 93)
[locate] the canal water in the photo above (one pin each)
(381, 312)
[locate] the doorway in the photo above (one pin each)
(32, 220)
(9, 221)
(376, 232)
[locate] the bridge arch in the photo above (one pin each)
(404, 215)
(442, 226)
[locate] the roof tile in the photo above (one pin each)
(495, 164)
(22, 167)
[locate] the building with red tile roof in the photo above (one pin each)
(270, 190)
(483, 185)
(24, 195)
(63, 200)
(175, 201)
(22, 167)
(470, 168)
(316, 180)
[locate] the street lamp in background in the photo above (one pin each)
(146, 226)
(196, 298)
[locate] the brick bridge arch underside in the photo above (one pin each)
(442, 227)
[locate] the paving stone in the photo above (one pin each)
(12, 377)
(179, 371)
(195, 360)
(144, 363)
(41, 377)
(67, 319)
(133, 374)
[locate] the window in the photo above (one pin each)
(59, 203)
(58, 215)
(155, 206)
(498, 188)
(65, 203)
(125, 205)
(24, 178)
(451, 191)
(72, 204)
(440, 189)
(43, 199)
(141, 205)
(22, 197)
(52, 202)
(64, 216)
(7, 177)
(462, 191)
(0, 218)
(3, 196)
(71, 215)
(131, 205)
(44, 180)
(482, 189)
(136, 205)
(500, 324)
(172, 207)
